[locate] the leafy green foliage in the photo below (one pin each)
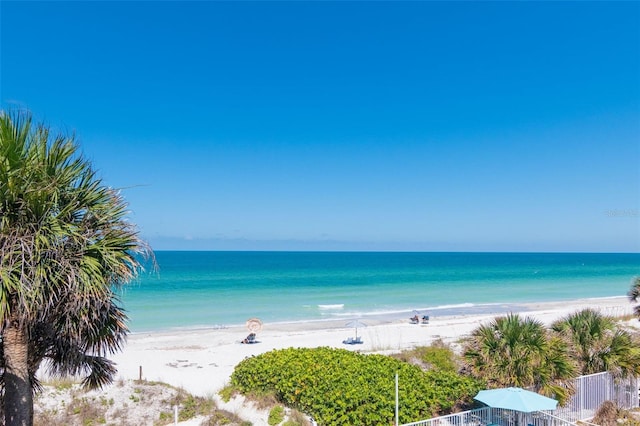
(338, 387)
(597, 344)
(516, 351)
(439, 356)
(226, 393)
(276, 415)
(634, 295)
(66, 247)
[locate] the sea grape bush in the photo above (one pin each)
(339, 387)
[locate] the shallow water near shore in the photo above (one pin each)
(222, 289)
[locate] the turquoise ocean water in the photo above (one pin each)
(214, 289)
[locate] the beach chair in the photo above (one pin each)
(414, 319)
(353, 341)
(425, 319)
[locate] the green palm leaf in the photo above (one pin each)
(516, 351)
(65, 244)
(634, 295)
(597, 343)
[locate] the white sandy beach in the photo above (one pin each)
(201, 361)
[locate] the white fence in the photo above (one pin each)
(494, 417)
(593, 390)
(590, 392)
(477, 417)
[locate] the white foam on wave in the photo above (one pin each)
(459, 305)
(333, 307)
(392, 312)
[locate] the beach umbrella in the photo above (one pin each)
(254, 325)
(356, 323)
(517, 399)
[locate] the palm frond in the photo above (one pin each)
(516, 351)
(65, 244)
(634, 295)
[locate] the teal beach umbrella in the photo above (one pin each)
(517, 399)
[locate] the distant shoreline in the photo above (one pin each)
(494, 309)
(617, 309)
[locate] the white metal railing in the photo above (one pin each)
(477, 417)
(543, 418)
(493, 417)
(590, 392)
(516, 418)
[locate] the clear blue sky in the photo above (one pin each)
(457, 126)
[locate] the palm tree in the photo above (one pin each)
(598, 344)
(65, 248)
(515, 351)
(634, 295)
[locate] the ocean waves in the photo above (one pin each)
(226, 288)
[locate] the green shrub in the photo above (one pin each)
(339, 387)
(276, 415)
(218, 418)
(439, 358)
(189, 406)
(227, 392)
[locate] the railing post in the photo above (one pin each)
(582, 395)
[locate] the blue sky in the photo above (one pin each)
(447, 126)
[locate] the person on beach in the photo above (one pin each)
(251, 338)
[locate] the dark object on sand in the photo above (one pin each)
(251, 338)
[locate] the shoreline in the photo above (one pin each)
(389, 317)
(202, 360)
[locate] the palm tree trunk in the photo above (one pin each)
(18, 399)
